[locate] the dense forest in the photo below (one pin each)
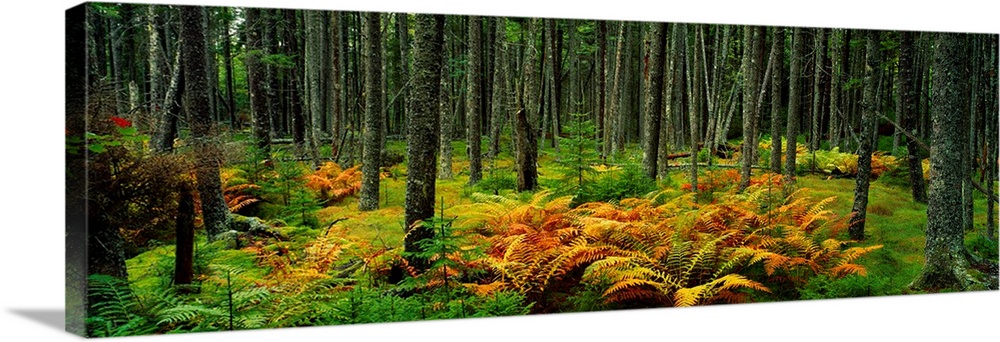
(243, 168)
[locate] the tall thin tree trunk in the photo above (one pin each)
(794, 105)
(403, 33)
(868, 132)
(553, 51)
(373, 113)
(215, 213)
(526, 155)
(907, 111)
(315, 35)
(335, 84)
(654, 99)
(499, 86)
(817, 109)
(258, 79)
(837, 38)
(601, 75)
(611, 129)
(777, 55)
(227, 60)
(444, 102)
(474, 109)
(695, 84)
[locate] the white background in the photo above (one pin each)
(31, 188)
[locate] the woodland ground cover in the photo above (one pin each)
(498, 252)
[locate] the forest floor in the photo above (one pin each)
(332, 246)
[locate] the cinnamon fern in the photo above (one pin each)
(652, 251)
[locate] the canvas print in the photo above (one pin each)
(233, 168)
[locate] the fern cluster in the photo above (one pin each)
(672, 253)
(334, 183)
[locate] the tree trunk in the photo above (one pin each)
(817, 108)
(422, 135)
(403, 34)
(778, 56)
(155, 67)
(315, 35)
(753, 51)
(694, 97)
(906, 109)
(334, 83)
(269, 42)
(444, 103)
(371, 158)
(868, 134)
(837, 40)
(654, 98)
(794, 105)
(601, 76)
(499, 96)
(945, 264)
(215, 213)
(166, 129)
(295, 80)
(184, 245)
(474, 110)
(611, 130)
(554, 51)
(258, 78)
(526, 155)
(227, 59)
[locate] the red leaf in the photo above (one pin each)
(123, 123)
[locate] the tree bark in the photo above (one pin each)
(269, 43)
(335, 84)
(258, 78)
(753, 51)
(945, 264)
(215, 213)
(184, 251)
(422, 135)
(778, 56)
(166, 129)
(694, 99)
(601, 77)
(295, 81)
(444, 103)
(315, 35)
(654, 98)
(155, 58)
(906, 109)
(474, 110)
(817, 109)
(837, 39)
(499, 84)
(403, 33)
(371, 158)
(526, 154)
(612, 131)
(868, 132)
(794, 105)
(227, 59)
